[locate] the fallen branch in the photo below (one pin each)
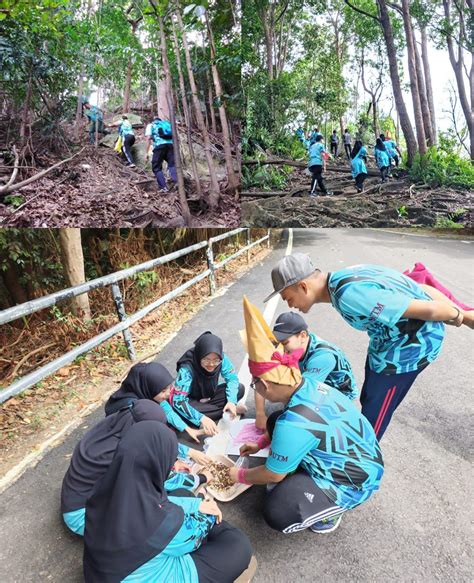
(27, 356)
(15, 170)
(12, 187)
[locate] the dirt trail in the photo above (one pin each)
(398, 202)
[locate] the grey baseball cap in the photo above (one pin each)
(290, 270)
(288, 324)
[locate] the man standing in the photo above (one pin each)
(161, 138)
(96, 117)
(324, 456)
(347, 143)
(405, 325)
(334, 143)
(320, 360)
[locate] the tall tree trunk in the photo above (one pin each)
(25, 117)
(177, 155)
(73, 265)
(214, 191)
(458, 66)
(128, 83)
(405, 122)
(186, 112)
(211, 105)
(232, 177)
(80, 92)
(425, 108)
(428, 83)
(415, 94)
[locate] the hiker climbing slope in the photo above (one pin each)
(160, 136)
(128, 139)
(96, 118)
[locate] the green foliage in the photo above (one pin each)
(402, 211)
(15, 200)
(441, 168)
(265, 177)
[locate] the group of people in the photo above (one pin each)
(386, 153)
(158, 134)
(128, 491)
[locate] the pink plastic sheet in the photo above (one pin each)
(421, 274)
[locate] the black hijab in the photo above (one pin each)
(144, 381)
(129, 519)
(93, 454)
(204, 383)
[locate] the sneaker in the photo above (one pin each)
(132, 165)
(327, 525)
(163, 190)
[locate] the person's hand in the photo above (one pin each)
(180, 466)
(209, 475)
(468, 319)
(231, 408)
(193, 433)
(248, 449)
(261, 422)
(210, 428)
(233, 474)
(199, 457)
(458, 321)
(210, 507)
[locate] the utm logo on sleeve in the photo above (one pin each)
(375, 313)
(278, 457)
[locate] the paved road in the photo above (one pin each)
(416, 528)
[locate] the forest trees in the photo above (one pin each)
(339, 48)
(56, 53)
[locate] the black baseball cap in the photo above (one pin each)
(290, 270)
(288, 324)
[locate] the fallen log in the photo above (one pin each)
(12, 187)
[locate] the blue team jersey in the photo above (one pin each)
(374, 298)
(323, 432)
(326, 363)
(391, 148)
(315, 154)
(125, 128)
(382, 158)
(358, 164)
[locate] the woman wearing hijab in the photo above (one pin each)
(382, 159)
(93, 455)
(149, 381)
(135, 532)
(358, 167)
(198, 396)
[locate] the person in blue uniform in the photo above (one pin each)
(93, 455)
(125, 131)
(320, 360)
(392, 149)
(382, 159)
(160, 137)
(315, 166)
(324, 457)
(149, 381)
(404, 321)
(199, 396)
(136, 533)
(358, 167)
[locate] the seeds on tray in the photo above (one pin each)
(221, 481)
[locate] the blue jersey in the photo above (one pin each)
(382, 158)
(313, 136)
(163, 126)
(125, 128)
(358, 164)
(175, 563)
(94, 113)
(374, 298)
(323, 432)
(315, 154)
(326, 363)
(391, 148)
(184, 381)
